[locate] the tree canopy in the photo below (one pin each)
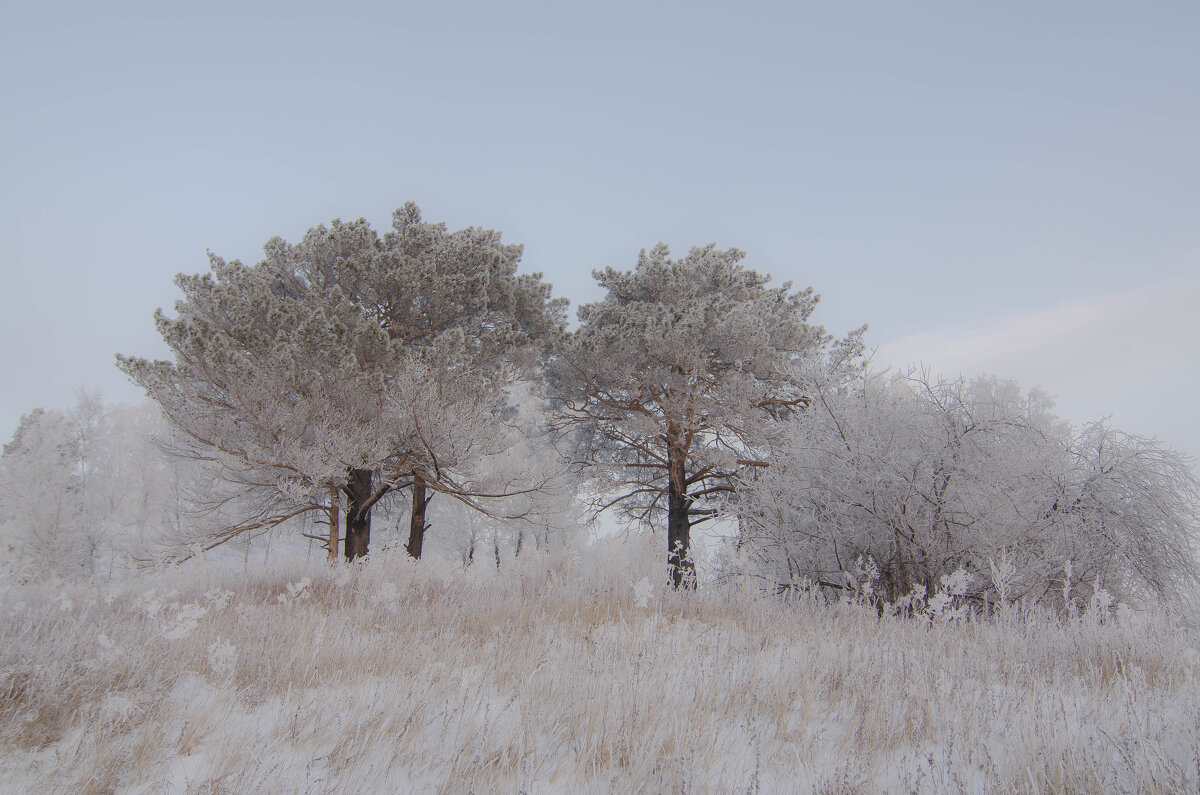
(348, 363)
(670, 385)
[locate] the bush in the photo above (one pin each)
(919, 480)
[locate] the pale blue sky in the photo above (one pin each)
(1012, 187)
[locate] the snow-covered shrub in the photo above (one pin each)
(927, 478)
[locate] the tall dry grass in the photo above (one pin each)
(391, 677)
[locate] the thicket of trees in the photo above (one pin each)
(354, 372)
(894, 484)
(84, 490)
(97, 490)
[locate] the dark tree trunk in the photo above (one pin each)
(335, 499)
(680, 567)
(417, 525)
(358, 520)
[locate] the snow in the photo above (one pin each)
(387, 676)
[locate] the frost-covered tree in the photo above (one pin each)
(41, 510)
(348, 363)
(908, 480)
(672, 383)
(547, 517)
(275, 390)
(140, 489)
(83, 489)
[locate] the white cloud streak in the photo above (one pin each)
(1134, 356)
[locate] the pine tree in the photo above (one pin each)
(348, 363)
(671, 385)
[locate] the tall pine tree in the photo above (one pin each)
(349, 363)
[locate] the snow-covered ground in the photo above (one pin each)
(565, 674)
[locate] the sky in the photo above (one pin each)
(1010, 188)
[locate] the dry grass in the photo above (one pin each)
(394, 677)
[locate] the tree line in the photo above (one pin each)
(352, 366)
(352, 370)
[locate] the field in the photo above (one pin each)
(572, 674)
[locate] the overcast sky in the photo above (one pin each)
(1002, 187)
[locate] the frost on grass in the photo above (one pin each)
(561, 677)
(643, 592)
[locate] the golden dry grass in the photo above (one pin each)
(395, 677)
